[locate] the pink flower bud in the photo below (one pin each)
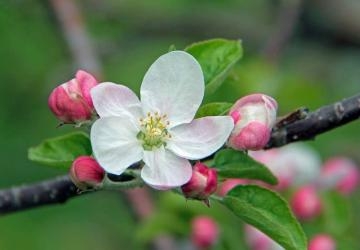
(341, 173)
(202, 184)
(86, 173)
(71, 101)
(322, 242)
(257, 240)
(254, 116)
(229, 184)
(204, 232)
(306, 203)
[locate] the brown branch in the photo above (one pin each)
(57, 190)
(61, 189)
(320, 121)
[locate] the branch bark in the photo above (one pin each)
(57, 190)
(60, 189)
(320, 121)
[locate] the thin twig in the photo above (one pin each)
(287, 20)
(72, 23)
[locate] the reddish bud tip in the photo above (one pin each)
(322, 242)
(202, 184)
(306, 203)
(86, 173)
(204, 232)
(71, 101)
(254, 116)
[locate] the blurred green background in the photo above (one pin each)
(301, 53)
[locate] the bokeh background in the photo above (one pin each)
(303, 53)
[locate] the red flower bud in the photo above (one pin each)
(322, 242)
(86, 173)
(306, 203)
(71, 101)
(202, 184)
(205, 232)
(254, 116)
(340, 173)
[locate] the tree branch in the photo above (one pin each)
(320, 121)
(57, 190)
(60, 189)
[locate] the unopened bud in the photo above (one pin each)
(86, 173)
(340, 173)
(322, 242)
(71, 101)
(202, 184)
(229, 184)
(254, 116)
(306, 203)
(204, 232)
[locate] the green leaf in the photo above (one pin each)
(268, 212)
(231, 163)
(213, 109)
(61, 151)
(216, 57)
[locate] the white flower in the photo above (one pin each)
(160, 129)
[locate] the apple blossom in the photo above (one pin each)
(204, 232)
(202, 184)
(86, 173)
(71, 101)
(160, 129)
(340, 173)
(254, 116)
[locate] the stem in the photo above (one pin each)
(61, 189)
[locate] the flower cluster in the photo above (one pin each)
(159, 129)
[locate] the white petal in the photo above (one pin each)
(164, 170)
(112, 99)
(173, 85)
(114, 143)
(201, 137)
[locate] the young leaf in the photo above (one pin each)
(231, 163)
(268, 212)
(216, 57)
(61, 151)
(213, 109)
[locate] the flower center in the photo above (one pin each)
(153, 133)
